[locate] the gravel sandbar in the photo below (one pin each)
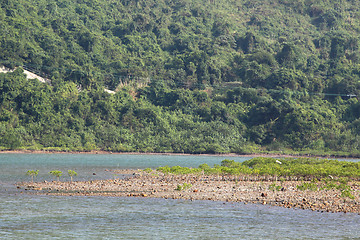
(137, 183)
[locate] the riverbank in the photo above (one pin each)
(138, 183)
(275, 155)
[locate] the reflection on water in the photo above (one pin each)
(86, 164)
(24, 216)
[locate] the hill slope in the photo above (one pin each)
(191, 76)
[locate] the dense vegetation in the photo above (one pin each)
(190, 76)
(261, 168)
(312, 174)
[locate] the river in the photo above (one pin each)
(26, 216)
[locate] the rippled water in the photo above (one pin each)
(24, 216)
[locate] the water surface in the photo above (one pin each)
(24, 216)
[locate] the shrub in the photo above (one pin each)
(183, 186)
(56, 173)
(307, 186)
(148, 170)
(71, 173)
(32, 173)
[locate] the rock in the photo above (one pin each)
(206, 189)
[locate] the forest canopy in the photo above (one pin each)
(210, 76)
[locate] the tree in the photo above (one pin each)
(249, 42)
(32, 173)
(11, 139)
(56, 173)
(290, 56)
(72, 173)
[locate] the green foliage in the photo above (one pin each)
(183, 187)
(273, 187)
(190, 76)
(307, 186)
(148, 170)
(333, 174)
(179, 170)
(56, 173)
(204, 166)
(305, 167)
(339, 184)
(32, 173)
(71, 173)
(229, 163)
(347, 193)
(297, 168)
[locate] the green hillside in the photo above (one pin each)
(212, 76)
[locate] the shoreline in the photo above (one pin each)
(225, 188)
(174, 154)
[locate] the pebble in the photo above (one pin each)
(213, 188)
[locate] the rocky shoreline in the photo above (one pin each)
(138, 183)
